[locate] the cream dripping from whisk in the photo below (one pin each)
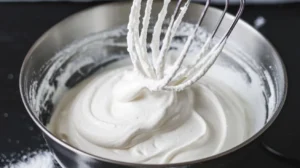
(148, 114)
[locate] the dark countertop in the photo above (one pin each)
(22, 23)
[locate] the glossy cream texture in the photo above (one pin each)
(112, 115)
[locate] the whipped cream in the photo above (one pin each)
(112, 115)
(124, 112)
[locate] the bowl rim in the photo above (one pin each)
(81, 152)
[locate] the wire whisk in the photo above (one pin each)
(153, 66)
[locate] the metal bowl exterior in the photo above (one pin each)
(115, 14)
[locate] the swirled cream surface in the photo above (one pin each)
(112, 115)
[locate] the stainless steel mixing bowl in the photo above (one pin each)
(108, 16)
